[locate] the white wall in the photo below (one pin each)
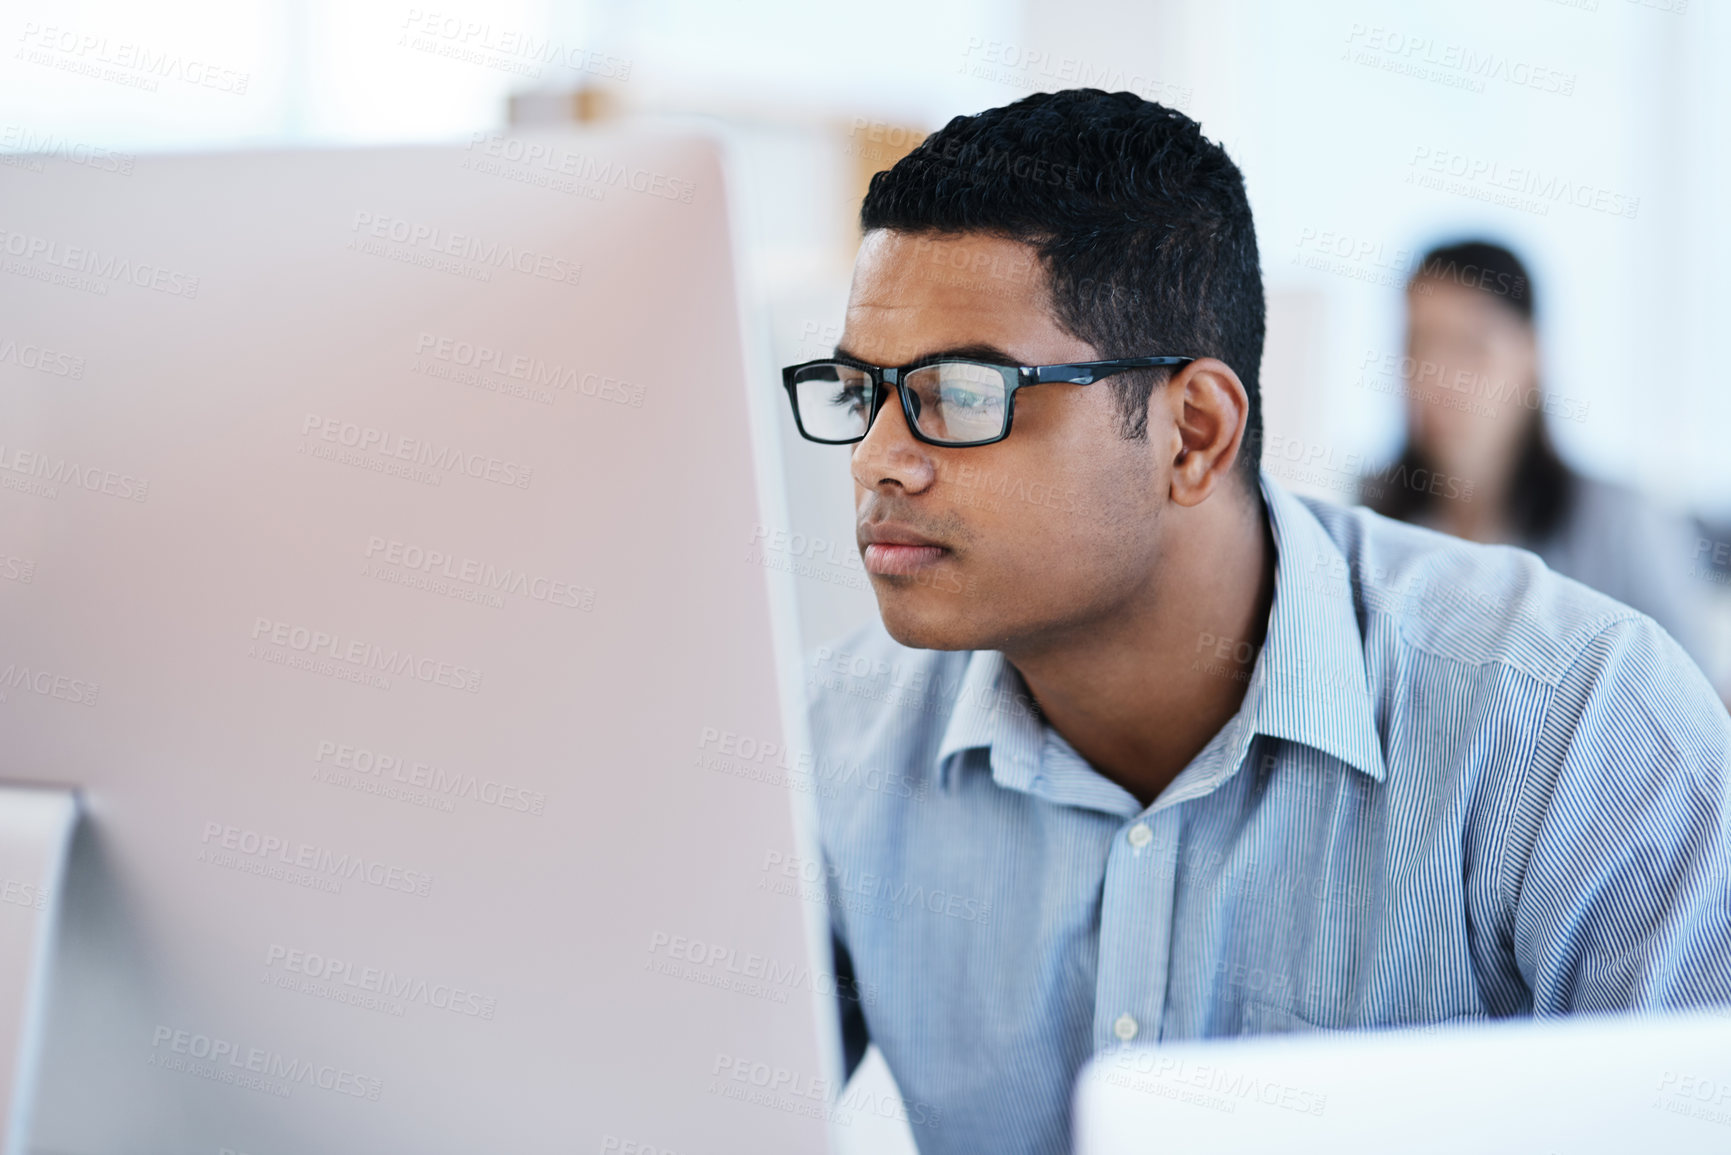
(1306, 98)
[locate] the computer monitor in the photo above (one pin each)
(374, 532)
(1581, 1086)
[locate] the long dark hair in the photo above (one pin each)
(1542, 487)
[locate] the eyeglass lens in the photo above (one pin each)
(952, 401)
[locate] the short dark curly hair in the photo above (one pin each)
(1141, 224)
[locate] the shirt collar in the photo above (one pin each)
(1309, 684)
(993, 709)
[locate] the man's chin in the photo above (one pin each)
(917, 623)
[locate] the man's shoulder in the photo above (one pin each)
(1462, 601)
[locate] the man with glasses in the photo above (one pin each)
(1191, 756)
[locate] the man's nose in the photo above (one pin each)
(890, 453)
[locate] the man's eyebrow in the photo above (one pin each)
(975, 352)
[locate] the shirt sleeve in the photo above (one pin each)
(1624, 545)
(1616, 864)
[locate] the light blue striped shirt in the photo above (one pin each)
(1460, 786)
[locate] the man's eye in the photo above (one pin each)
(851, 397)
(964, 398)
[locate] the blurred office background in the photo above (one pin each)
(1591, 135)
(1594, 136)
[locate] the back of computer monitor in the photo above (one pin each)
(1586, 1086)
(373, 537)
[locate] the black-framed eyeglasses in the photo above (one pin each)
(950, 401)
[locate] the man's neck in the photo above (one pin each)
(1140, 695)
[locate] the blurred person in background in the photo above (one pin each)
(1476, 412)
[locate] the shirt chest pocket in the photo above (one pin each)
(1265, 1018)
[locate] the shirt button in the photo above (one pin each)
(1125, 1027)
(1140, 836)
(1039, 782)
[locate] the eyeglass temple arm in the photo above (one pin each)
(1088, 372)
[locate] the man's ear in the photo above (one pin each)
(1209, 409)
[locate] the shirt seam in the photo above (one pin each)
(1523, 778)
(1599, 629)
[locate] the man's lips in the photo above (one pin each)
(894, 551)
(892, 559)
